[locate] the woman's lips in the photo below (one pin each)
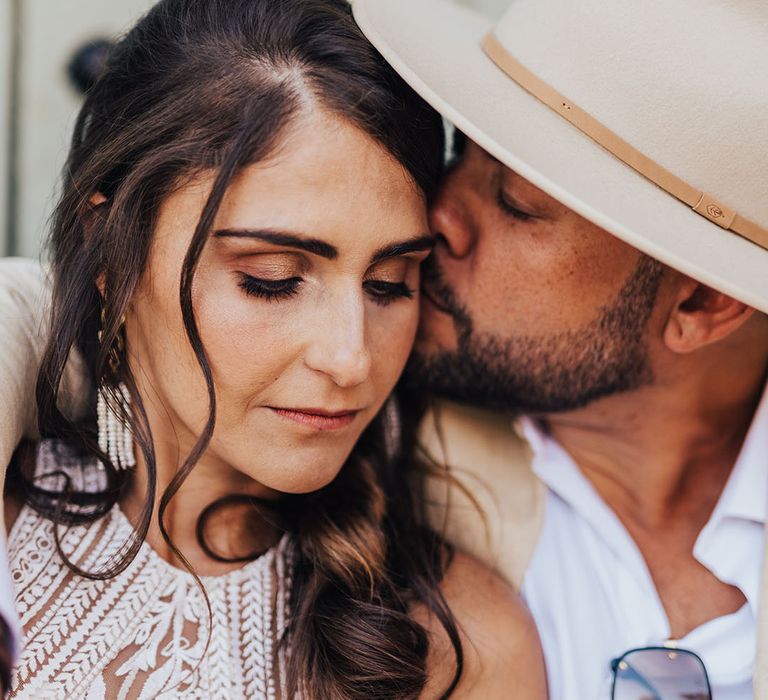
(317, 418)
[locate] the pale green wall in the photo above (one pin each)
(5, 91)
(53, 31)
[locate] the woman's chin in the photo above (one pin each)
(308, 481)
(301, 474)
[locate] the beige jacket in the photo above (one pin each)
(489, 462)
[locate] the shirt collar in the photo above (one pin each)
(745, 495)
(562, 476)
(560, 473)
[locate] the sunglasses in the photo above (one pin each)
(660, 673)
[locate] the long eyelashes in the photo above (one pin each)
(271, 290)
(382, 293)
(508, 208)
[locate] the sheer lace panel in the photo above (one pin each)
(141, 635)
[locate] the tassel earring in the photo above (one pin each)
(115, 439)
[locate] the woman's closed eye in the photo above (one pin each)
(384, 293)
(380, 291)
(269, 289)
(388, 280)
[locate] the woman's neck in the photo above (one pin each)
(242, 527)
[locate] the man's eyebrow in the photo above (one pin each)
(414, 245)
(283, 238)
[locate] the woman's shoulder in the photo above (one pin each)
(501, 646)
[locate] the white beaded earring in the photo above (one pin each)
(115, 439)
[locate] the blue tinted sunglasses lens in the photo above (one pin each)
(660, 674)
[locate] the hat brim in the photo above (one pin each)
(435, 46)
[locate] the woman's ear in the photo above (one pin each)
(94, 202)
(701, 316)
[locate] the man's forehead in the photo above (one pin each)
(510, 175)
(551, 209)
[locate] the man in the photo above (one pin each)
(602, 269)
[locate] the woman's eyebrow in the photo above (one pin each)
(414, 245)
(283, 238)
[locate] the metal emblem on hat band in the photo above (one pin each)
(702, 203)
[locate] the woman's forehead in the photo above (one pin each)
(324, 176)
(326, 180)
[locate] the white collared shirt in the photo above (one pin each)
(593, 598)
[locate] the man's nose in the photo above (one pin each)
(339, 347)
(450, 219)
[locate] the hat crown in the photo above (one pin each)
(685, 82)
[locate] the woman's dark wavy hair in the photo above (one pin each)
(212, 86)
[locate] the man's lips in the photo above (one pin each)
(317, 418)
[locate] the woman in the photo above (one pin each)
(236, 257)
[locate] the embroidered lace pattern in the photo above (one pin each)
(142, 634)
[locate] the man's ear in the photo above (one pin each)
(701, 316)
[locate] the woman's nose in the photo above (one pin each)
(339, 347)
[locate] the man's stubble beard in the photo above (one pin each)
(546, 374)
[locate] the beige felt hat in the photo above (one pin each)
(648, 118)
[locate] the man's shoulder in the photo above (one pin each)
(22, 277)
(482, 492)
(474, 438)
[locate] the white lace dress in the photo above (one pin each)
(142, 634)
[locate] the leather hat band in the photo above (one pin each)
(702, 203)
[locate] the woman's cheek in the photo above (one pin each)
(244, 336)
(392, 338)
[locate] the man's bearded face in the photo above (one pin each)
(545, 374)
(528, 307)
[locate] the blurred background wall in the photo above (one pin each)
(39, 39)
